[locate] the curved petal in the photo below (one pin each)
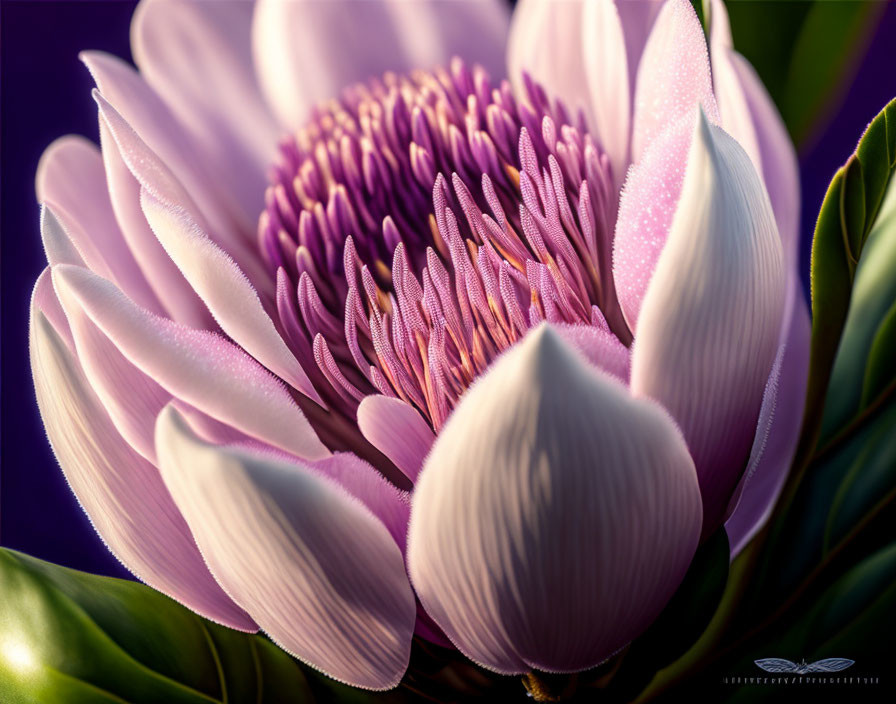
(317, 571)
(217, 279)
(71, 180)
(600, 347)
(637, 19)
(673, 76)
(171, 288)
(200, 367)
(139, 105)
(709, 325)
(397, 430)
(734, 112)
(646, 207)
(122, 494)
(44, 300)
(217, 99)
(58, 246)
(308, 51)
(555, 516)
(762, 487)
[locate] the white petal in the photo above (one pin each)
(318, 572)
(710, 320)
(555, 515)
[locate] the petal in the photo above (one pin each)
(318, 572)
(555, 516)
(397, 430)
(673, 76)
(58, 246)
(199, 367)
(71, 180)
(735, 114)
(600, 347)
(646, 208)
(217, 100)
(308, 51)
(213, 274)
(122, 493)
(710, 321)
(637, 21)
(767, 473)
(607, 73)
(588, 73)
(171, 288)
(139, 105)
(43, 299)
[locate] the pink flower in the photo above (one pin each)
(449, 354)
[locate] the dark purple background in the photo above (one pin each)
(46, 93)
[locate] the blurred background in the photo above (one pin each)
(828, 65)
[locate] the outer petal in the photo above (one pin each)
(71, 180)
(762, 487)
(121, 492)
(397, 430)
(308, 51)
(320, 574)
(709, 325)
(200, 367)
(217, 99)
(673, 75)
(555, 516)
(213, 274)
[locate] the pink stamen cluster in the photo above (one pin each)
(394, 278)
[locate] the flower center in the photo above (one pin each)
(420, 225)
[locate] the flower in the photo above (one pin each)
(451, 383)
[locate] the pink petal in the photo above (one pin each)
(711, 318)
(315, 568)
(70, 179)
(600, 347)
(555, 516)
(307, 51)
(171, 288)
(144, 111)
(197, 366)
(217, 99)
(43, 299)
(397, 430)
(213, 274)
(121, 492)
(766, 475)
(646, 207)
(637, 17)
(673, 76)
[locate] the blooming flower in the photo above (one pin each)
(449, 354)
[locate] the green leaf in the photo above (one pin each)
(67, 636)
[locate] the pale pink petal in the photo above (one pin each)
(765, 478)
(673, 76)
(70, 179)
(308, 51)
(646, 207)
(637, 17)
(197, 55)
(312, 565)
(709, 325)
(202, 368)
(43, 299)
(58, 246)
(122, 494)
(145, 112)
(555, 515)
(600, 347)
(607, 74)
(734, 111)
(397, 430)
(217, 279)
(780, 169)
(171, 288)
